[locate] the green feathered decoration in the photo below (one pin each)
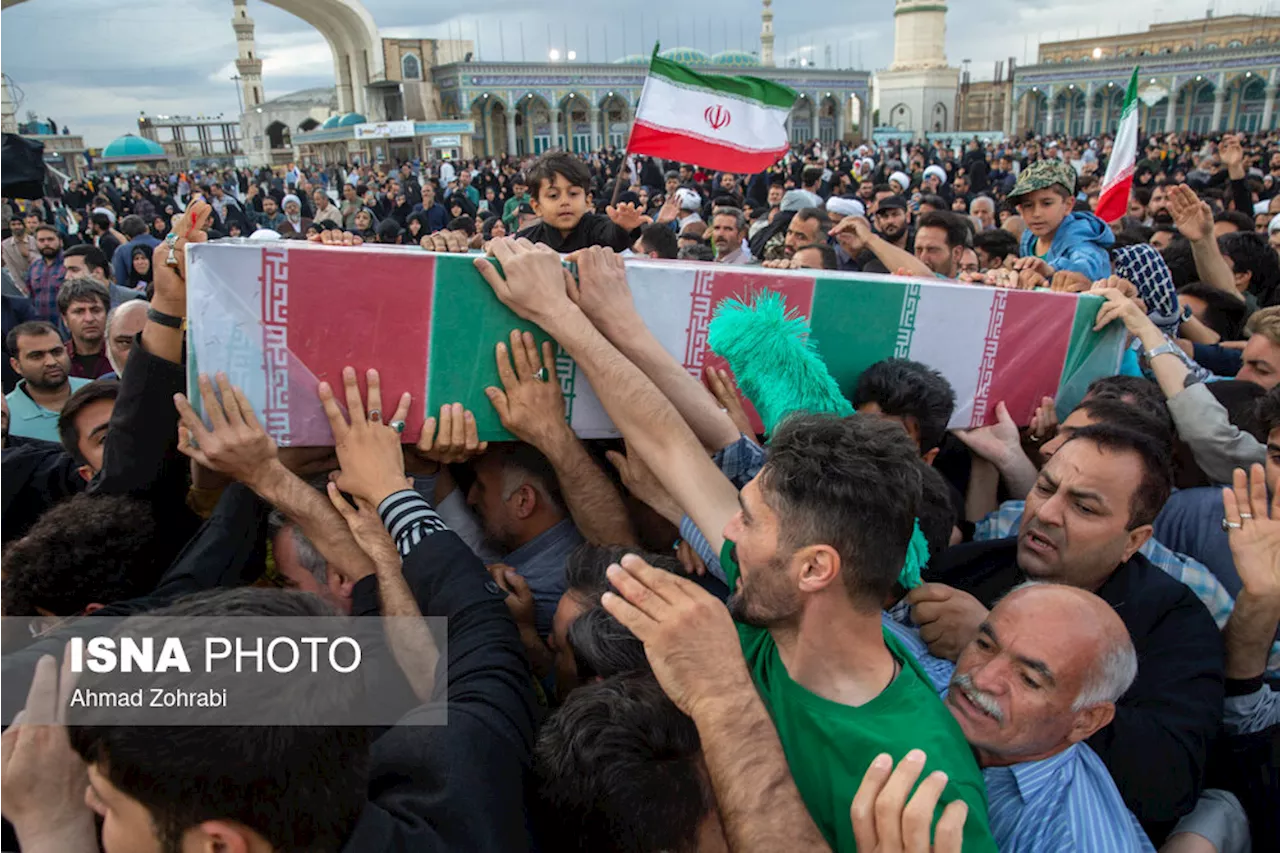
(777, 366)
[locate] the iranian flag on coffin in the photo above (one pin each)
(280, 317)
(737, 124)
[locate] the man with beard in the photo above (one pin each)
(808, 226)
(812, 545)
(1086, 518)
(83, 304)
(1158, 215)
(892, 221)
(39, 356)
(46, 275)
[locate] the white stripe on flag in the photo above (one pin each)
(950, 329)
(750, 125)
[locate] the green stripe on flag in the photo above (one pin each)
(856, 324)
(1090, 354)
(1130, 95)
(765, 92)
(465, 318)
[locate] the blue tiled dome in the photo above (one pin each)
(132, 147)
(633, 59)
(686, 56)
(331, 121)
(351, 119)
(735, 59)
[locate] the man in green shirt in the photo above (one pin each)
(812, 545)
(519, 196)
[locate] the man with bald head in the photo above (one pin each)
(1042, 676)
(124, 322)
(983, 209)
(1086, 518)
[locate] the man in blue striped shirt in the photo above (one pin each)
(1041, 677)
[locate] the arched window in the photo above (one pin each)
(1235, 43)
(1213, 45)
(1164, 51)
(410, 67)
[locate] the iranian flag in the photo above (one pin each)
(280, 317)
(1113, 201)
(734, 124)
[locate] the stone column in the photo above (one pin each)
(814, 109)
(555, 128)
(511, 132)
(1088, 110)
(1171, 110)
(1268, 105)
(1048, 116)
(1219, 99)
(594, 116)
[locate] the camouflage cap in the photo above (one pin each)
(1043, 174)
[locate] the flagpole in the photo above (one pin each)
(626, 151)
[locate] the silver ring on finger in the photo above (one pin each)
(541, 374)
(375, 415)
(1231, 525)
(398, 426)
(1245, 515)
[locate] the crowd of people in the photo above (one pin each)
(870, 633)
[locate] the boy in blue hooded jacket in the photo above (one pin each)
(1056, 238)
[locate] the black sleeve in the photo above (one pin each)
(36, 476)
(603, 232)
(1241, 196)
(1157, 746)
(456, 786)
(224, 551)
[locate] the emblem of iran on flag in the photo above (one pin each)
(735, 124)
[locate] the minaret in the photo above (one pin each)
(248, 65)
(919, 34)
(766, 34)
(10, 117)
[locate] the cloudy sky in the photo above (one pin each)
(95, 66)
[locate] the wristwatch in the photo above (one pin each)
(1166, 347)
(166, 319)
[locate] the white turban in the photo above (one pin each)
(938, 172)
(902, 179)
(845, 207)
(1274, 225)
(689, 200)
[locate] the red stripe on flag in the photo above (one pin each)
(1027, 338)
(669, 145)
(1113, 201)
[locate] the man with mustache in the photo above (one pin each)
(1086, 518)
(38, 354)
(83, 304)
(1043, 675)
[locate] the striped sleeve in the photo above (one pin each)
(409, 519)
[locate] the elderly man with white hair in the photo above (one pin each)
(983, 210)
(124, 322)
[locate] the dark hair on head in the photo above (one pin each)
(1222, 312)
(935, 201)
(739, 218)
(1240, 397)
(852, 483)
(1140, 194)
(699, 251)
(1267, 412)
(602, 646)
(996, 243)
(1242, 221)
(567, 166)
(1249, 252)
(1181, 262)
(617, 769)
(956, 228)
(584, 571)
(526, 459)
(660, 239)
(82, 289)
(1134, 234)
(828, 254)
(44, 226)
(91, 549)
(1134, 390)
(132, 226)
(811, 175)
(68, 433)
(804, 214)
(301, 787)
(1119, 412)
(361, 189)
(1150, 494)
(29, 329)
(94, 258)
(101, 221)
(909, 389)
(937, 510)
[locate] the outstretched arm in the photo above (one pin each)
(854, 234)
(607, 301)
(1194, 219)
(535, 288)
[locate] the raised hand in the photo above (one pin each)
(529, 404)
(852, 232)
(1231, 153)
(446, 241)
(236, 445)
(1193, 217)
(688, 635)
(1044, 423)
(1119, 307)
(670, 210)
(996, 443)
(722, 387)
(641, 482)
(169, 258)
(368, 450)
(886, 821)
(533, 281)
(625, 216)
(1255, 542)
(602, 292)
(458, 438)
(367, 529)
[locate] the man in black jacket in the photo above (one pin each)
(1088, 514)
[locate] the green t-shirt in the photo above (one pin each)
(829, 746)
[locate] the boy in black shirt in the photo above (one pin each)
(559, 183)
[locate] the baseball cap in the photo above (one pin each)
(525, 209)
(893, 202)
(1043, 174)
